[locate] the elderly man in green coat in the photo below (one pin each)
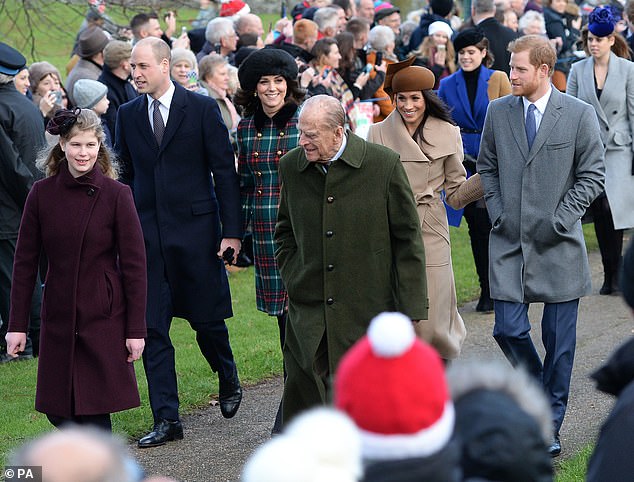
(349, 246)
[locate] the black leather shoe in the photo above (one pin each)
(555, 448)
(230, 397)
(164, 431)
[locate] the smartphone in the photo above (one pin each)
(325, 72)
(270, 26)
(283, 10)
(367, 69)
(58, 96)
(441, 48)
(183, 30)
(379, 58)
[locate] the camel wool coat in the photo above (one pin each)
(432, 168)
(94, 295)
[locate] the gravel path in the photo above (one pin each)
(215, 449)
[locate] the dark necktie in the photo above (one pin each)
(531, 125)
(157, 120)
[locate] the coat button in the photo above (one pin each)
(259, 134)
(259, 192)
(279, 153)
(330, 199)
(258, 173)
(329, 234)
(255, 154)
(281, 134)
(330, 267)
(615, 112)
(330, 301)
(90, 192)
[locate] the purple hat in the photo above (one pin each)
(601, 21)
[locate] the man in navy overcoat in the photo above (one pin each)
(176, 155)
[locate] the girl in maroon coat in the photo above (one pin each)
(93, 310)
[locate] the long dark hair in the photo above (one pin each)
(434, 107)
(249, 102)
(345, 42)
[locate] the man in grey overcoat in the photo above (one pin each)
(349, 247)
(541, 164)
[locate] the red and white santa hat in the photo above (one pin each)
(393, 386)
(234, 8)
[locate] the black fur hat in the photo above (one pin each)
(267, 61)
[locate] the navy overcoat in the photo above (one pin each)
(187, 195)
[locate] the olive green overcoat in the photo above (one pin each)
(349, 246)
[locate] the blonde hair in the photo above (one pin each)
(51, 157)
(425, 51)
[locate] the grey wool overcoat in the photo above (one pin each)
(349, 247)
(536, 198)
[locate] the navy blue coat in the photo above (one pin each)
(184, 211)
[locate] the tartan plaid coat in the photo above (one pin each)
(261, 143)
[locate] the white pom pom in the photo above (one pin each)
(391, 334)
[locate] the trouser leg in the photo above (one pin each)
(213, 340)
(479, 230)
(277, 425)
(159, 361)
(610, 240)
(559, 335)
(512, 333)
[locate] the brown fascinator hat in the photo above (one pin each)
(405, 77)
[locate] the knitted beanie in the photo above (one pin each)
(39, 70)
(393, 386)
(87, 93)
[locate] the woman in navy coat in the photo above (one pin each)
(93, 310)
(468, 93)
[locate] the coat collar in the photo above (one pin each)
(91, 181)
(353, 154)
(408, 148)
(280, 119)
(176, 116)
(549, 120)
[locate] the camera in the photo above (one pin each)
(58, 96)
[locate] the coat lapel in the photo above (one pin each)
(176, 116)
(144, 125)
(590, 93)
(516, 121)
(613, 83)
(463, 98)
(546, 126)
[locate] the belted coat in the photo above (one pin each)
(94, 295)
(432, 168)
(348, 248)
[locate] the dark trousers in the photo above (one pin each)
(610, 240)
(559, 336)
(158, 356)
(7, 253)
(479, 229)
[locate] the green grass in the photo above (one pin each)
(254, 338)
(49, 36)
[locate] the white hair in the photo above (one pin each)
(380, 37)
(217, 29)
(530, 17)
(326, 17)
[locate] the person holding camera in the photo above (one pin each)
(436, 52)
(476, 82)
(46, 86)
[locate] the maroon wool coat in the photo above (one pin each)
(94, 296)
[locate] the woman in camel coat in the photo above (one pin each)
(430, 146)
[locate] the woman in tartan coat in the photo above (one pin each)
(269, 96)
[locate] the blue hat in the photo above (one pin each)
(11, 61)
(601, 21)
